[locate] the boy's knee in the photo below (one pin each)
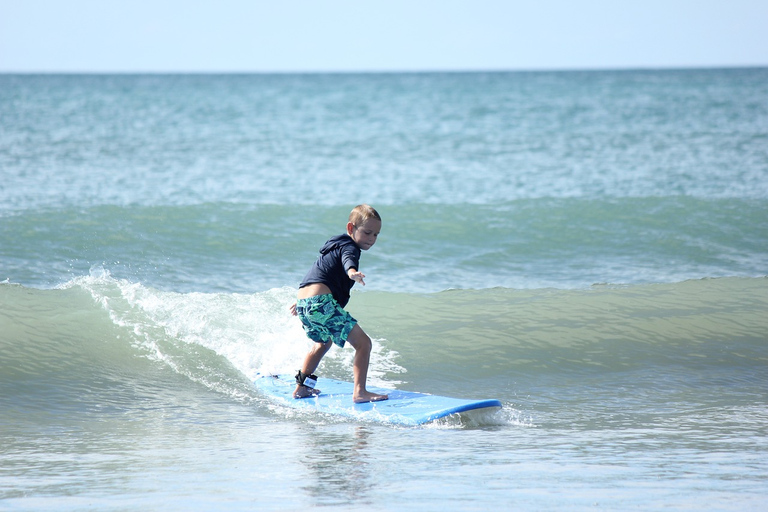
(321, 348)
(359, 340)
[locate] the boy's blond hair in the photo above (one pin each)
(362, 213)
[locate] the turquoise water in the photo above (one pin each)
(587, 247)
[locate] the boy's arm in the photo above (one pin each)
(350, 259)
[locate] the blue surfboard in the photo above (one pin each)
(402, 408)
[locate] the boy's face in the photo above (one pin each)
(365, 234)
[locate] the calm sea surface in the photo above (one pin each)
(591, 248)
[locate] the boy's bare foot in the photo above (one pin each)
(305, 392)
(369, 397)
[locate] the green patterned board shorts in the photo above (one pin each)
(324, 319)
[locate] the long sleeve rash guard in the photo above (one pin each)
(337, 256)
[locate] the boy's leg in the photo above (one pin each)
(362, 345)
(311, 362)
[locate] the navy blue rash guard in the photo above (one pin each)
(337, 256)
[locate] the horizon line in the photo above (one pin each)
(390, 71)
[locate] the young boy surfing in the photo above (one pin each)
(321, 299)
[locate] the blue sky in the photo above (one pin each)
(392, 35)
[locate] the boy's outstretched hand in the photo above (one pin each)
(356, 276)
(292, 309)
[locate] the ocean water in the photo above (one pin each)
(590, 248)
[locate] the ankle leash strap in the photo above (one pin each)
(306, 380)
